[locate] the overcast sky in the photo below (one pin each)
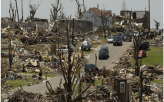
(156, 7)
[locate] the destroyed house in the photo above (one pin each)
(94, 15)
(79, 25)
(40, 23)
(137, 16)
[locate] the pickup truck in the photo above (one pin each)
(65, 49)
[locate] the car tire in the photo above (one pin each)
(113, 45)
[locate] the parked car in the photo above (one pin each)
(129, 38)
(104, 52)
(121, 35)
(152, 34)
(117, 40)
(86, 45)
(89, 67)
(110, 39)
(142, 54)
(144, 45)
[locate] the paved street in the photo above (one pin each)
(114, 51)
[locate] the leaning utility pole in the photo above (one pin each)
(72, 30)
(149, 15)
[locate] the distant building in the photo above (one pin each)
(94, 15)
(79, 25)
(40, 22)
(137, 16)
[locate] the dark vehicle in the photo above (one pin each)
(129, 38)
(89, 67)
(117, 40)
(152, 34)
(144, 45)
(121, 35)
(104, 52)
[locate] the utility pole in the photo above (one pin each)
(17, 10)
(149, 15)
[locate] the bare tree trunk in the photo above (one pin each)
(73, 31)
(17, 10)
(69, 69)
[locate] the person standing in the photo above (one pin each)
(40, 74)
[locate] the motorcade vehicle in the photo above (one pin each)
(104, 52)
(126, 37)
(117, 40)
(121, 35)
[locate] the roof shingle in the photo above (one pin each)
(98, 12)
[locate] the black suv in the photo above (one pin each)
(89, 67)
(129, 38)
(144, 45)
(117, 40)
(104, 52)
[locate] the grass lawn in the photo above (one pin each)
(16, 83)
(158, 81)
(48, 75)
(85, 52)
(95, 45)
(83, 86)
(155, 56)
(103, 40)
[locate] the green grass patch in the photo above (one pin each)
(95, 45)
(103, 40)
(87, 52)
(16, 83)
(84, 85)
(154, 56)
(158, 81)
(48, 75)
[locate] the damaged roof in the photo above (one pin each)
(98, 12)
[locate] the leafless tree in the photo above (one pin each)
(33, 9)
(156, 24)
(136, 42)
(79, 11)
(105, 20)
(55, 13)
(124, 6)
(72, 77)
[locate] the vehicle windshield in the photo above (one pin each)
(119, 34)
(117, 38)
(111, 37)
(102, 50)
(89, 66)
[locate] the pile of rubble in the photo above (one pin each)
(156, 41)
(23, 96)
